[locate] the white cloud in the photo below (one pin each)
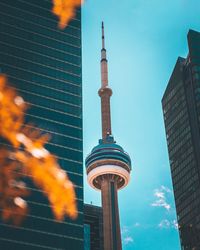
(168, 190)
(128, 240)
(175, 224)
(168, 224)
(161, 199)
(164, 224)
(126, 235)
(159, 194)
(124, 230)
(137, 224)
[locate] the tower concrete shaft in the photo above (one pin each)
(105, 94)
(104, 64)
(111, 225)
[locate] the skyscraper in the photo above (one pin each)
(93, 227)
(44, 65)
(108, 166)
(181, 109)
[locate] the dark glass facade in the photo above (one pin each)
(43, 64)
(87, 239)
(181, 109)
(93, 224)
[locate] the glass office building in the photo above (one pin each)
(43, 64)
(87, 239)
(181, 109)
(93, 227)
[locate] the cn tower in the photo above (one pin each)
(108, 166)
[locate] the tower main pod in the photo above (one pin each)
(108, 166)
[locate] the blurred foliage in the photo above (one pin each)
(27, 157)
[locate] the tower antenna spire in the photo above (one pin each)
(104, 62)
(105, 92)
(103, 41)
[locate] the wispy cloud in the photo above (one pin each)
(126, 235)
(128, 240)
(164, 224)
(168, 224)
(124, 230)
(175, 224)
(161, 199)
(166, 189)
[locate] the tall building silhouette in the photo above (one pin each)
(181, 109)
(93, 227)
(108, 166)
(43, 64)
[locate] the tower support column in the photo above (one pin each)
(111, 224)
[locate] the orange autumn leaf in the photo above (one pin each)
(65, 10)
(12, 108)
(13, 206)
(29, 158)
(56, 185)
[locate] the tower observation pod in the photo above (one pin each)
(108, 166)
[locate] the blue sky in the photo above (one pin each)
(143, 40)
